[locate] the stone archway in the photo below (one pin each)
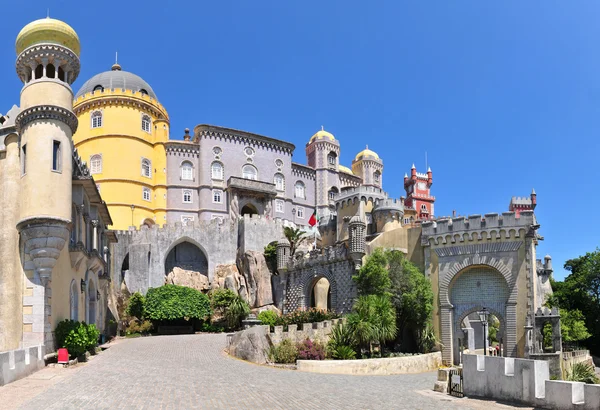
(320, 294)
(471, 290)
(186, 264)
(310, 280)
(249, 209)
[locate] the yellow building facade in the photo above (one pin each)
(121, 136)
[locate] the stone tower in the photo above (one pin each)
(283, 255)
(418, 194)
(357, 231)
(47, 64)
(369, 167)
(322, 153)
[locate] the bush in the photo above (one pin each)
(211, 328)
(221, 298)
(268, 317)
(309, 350)
(173, 302)
(341, 343)
(135, 307)
(373, 321)
(583, 372)
(76, 337)
(285, 352)
(237, 310)
(343, 352)
(270, 253)
(135, 326)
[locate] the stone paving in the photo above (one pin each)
(192, 372)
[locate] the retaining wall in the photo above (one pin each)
(16, 364)
(525, 381)
(297, 333)
(375, 367)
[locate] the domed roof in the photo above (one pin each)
(322, 134)
(116, 79)
(345, 169)
(366, 153)
(47, 31)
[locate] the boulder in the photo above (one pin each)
(272, 308)
(252, 344)
(253, 267)
(191, 279)
(228, 277)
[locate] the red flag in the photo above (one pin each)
(313, 219)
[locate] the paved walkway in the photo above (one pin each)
(191, 372)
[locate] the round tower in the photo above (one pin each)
(369, 167)
(388, 214)
(283, 254)
(357, 230)
(47, 64)
(323, 153)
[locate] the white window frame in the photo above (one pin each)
(217, 175)
(219, 193)
(98, 168)
(279, 206)
(146, 123)
(300, 190)
(184, 171)
(146, 192)
(187, 193)
(253, 176)
(96, 119)
(300, 212)
(279, 181)
(185, 219)
(149, 175)
(331, 159)
(424, 208)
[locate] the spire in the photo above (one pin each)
(322, 128)
(405, 175)
(116, 66)
(533, 192)
(429, 169)
(413, 167)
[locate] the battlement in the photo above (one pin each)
(81, 101)
(546, 312)
(299, 333)
(525, 381)
(368, 192)
(389, 204)
(422, 175)
(319, 256)
(476, 222)
(202, 224)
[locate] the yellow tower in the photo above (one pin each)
(121, 136)
(47, 63)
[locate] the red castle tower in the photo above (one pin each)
(518, 204)
(418, 194)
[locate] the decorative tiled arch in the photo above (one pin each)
(310, 278)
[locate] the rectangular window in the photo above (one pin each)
(279, 206)
(146, 194)
(406, 221)
(24, 159)
(217, 196)
(300, 213)
(55, 155)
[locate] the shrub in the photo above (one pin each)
(268, 317)
(135, 326)
(373, 321)
(211, 328)
(221, 298)
(583, 372)
(285, 352)
(309, 350)
(93, 334)
(173, 302)
(343, 352)
(76, 337)
(270, 253)
(237, 310)
(135, 307)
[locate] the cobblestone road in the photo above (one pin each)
(191, 372)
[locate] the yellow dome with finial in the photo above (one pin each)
(366, 153)
(322, 134)
(48, 31)
(345, 170)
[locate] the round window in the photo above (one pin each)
(249, 151)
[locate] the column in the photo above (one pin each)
(446, 334)
(95, 235)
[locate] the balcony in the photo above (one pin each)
(251, 186)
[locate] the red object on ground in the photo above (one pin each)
(63, 355)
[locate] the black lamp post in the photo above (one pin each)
(483, 316)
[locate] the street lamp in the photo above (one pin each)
(483, 317)
(132, 208)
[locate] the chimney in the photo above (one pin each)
(453, 213)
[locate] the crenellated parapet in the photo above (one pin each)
(205, 131)
(119, 96)
(318, 257)
(475, 227)
(303, 171)
(351, 195)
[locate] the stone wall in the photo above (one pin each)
(525, 381)
(375, 367)
(297, 333)
(256, 232)
(16, 364)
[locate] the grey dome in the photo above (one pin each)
(116, 79)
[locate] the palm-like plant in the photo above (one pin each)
(373, 320)
(295, 237)
(237, 310)
(583, 372)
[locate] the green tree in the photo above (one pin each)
(295, 237)
(373, 320)
(270, 253)
(237, 311)
(412, 296)
(373, 277)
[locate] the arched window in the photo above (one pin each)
(249, 172)
(146, 168)
(332, 159)
(279, 182)
(97, 119)
(377, 177)
(187, 196)
(423, 208)
(187, 171)
(332, 193)
(96, 164)
(39, 71)
(50, 71)
(61, 74)
(300, 190)
(144, 92)
(146, 122)
(216, 170)
(74, 300)
(98, 88)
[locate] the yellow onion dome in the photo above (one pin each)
(345, 170)
(366, 153)
(322, 134)
(44, 31)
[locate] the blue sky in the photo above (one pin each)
(503, 96)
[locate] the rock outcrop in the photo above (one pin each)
(254, 270)
(252, 344)
(191, 279)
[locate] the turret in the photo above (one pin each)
(283, 254)
(369, 167)
(322, 154)
(357, 229)
(533, 197)
(47, 64)
(548, 264)
(419, 201)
